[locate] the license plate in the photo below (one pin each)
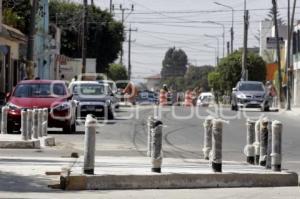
(253, 102)
(90, 108)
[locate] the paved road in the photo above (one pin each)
(182, 135)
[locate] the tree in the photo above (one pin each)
(197, 77)
(117, 72)
(214, 80)
(104, 38)
(174, 63)
(17, 14)
(230, 69)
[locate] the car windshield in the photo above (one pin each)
(41, 90)
(89, 89)
(251, 87)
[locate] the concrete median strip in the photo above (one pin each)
(133, 173)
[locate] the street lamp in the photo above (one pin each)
(217, 38)
(232, 21)
(216, 23)
(216, 56)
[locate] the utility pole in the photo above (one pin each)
(123, 10)
(245, 49)
(84, 36)
(278, 52)
(30, 42)
(110, 6)
(289, 68)
(288, 62)
(0, 16)
(228, 48)
(129, 51)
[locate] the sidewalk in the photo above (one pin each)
(135, 172)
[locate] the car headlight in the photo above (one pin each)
(108, 102)
(241, 96)
(62, 107)
(13, 106)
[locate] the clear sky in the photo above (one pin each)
(183, 23)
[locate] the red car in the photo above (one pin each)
(51, 94)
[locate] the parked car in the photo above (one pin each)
(111, 95)
(92, 97)
(205, 99)
(249, 94)
(111, 84)
(147, 97)
(51, 94)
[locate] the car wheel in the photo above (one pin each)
(10, 129)
(266, 109)
(232, 107)
(110, 115)
(69, 129)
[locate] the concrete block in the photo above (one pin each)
(179, 181)
(31, 144)
(47, 141)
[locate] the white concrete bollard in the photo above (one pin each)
(257, 141)
(276, 146)
(40, 122)
(45, 122)
(216, 153)
(269, 148)
(263, 141)
(156, 153)
(150, 123)
(4, 120)
(89, 145)
(35, 116)
(207, 137)
(24, 125)
(249, 148)
(29, 124)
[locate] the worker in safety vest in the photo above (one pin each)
(163, 95)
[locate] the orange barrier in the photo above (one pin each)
(163, 97)
(188, 98)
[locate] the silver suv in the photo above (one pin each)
(249, 94)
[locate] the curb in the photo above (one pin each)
(32, 144)
(178, 181)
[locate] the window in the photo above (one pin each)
(39, 90)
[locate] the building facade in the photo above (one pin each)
(12, 57)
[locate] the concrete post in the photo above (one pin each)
(216, 153)
(4, 120)
(150, 124)
(29, 124)
(40, 122)
(269, 148)
(257, 141)
(23, 124)
(207, 137)
(89, 145)
(249, 148)
(45, 122)
(156, 153)
(276, 145)
(35, 124)
(263, 142)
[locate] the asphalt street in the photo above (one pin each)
(182, 134)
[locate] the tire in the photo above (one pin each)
(110, 115)
(267, 109)
(69, 129)
(232, 107)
